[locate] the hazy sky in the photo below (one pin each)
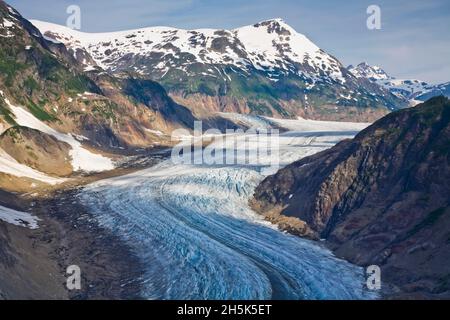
(414, 40)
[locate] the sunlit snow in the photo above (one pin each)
(82, 159)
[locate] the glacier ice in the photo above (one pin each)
(192, 227)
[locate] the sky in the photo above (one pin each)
(413, 42)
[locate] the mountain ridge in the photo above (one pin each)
(267, 68)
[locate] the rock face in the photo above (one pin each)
(381, 198)
(258, 69)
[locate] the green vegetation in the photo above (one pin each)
(145, 91)
(52, 70)
(49, 67)
(105, 109)
(259, 108)
(207, 89)
(77, 84)
(14, 134)
(39, 111)
(32, 155)
(45, 68)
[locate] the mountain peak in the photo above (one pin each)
(270, 44)
(365, 70)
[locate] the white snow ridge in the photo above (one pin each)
(9, 165)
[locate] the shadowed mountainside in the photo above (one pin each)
(382, 198)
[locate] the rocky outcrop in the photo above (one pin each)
(411, 89)
(382, 198)
(227, 70)
(37, 150)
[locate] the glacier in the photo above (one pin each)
(191, 226)
(18, 218)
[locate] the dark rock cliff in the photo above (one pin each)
(382, 198)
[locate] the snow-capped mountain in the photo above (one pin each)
(411, 89)
(363, 70)
(266, 68)
(437, 90)
(270, 46)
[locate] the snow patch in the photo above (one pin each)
(193, 222)
(7, 24)
(18, 218)
(155, 132)
(89, 68)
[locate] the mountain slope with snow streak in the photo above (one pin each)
(18, 218)
(193, 228)
(82, 159)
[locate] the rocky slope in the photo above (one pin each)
(33, 261)
(410, 89)
(267, 68)
(436, 90)
(382, 198)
